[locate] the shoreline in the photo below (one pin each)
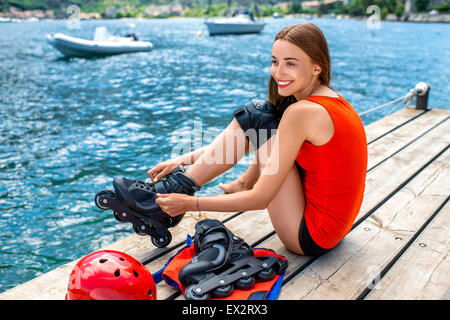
(412, 17)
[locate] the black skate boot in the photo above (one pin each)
(223, 261)
(134, 201)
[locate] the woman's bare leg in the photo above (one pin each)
(286, 210)
(244, 182)
(287, 207)
(221, 154)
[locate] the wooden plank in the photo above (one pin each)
(422, 272)
(383, 125)
(347, 270)
(394, 141)
(141, 248)
(390, 174)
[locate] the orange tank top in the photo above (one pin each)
(335, 174)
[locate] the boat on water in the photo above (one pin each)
(103, 44)
(241, 22)
(277, 15)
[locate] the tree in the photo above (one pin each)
(421, 5)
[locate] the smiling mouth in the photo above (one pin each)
(283, 83)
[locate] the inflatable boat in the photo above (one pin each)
(103, 44)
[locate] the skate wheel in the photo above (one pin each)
(265, 274)
(101, 196)
(191, 294)
(245, 283)
(175, 220)
(162, 241)
(138, 230)
(119, 217)
(280, 266)
(223, 291)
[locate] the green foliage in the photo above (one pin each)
(296, 8)
(443, 7)
(399, 9)
(356, 8)
(214, 10)
(421, 5)
(199, 8)
(335, 7)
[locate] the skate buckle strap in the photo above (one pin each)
(211, 239)
(159, 186)
(174, 184)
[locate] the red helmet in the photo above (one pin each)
(110, 275)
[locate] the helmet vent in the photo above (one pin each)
(117, 273)
(135, 273)
(122, 259)
(103, 260)
(150, 293)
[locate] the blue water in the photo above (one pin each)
(67, 127)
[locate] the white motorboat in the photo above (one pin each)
(102, 44)
(239, 24)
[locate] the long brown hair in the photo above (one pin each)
(311, 40)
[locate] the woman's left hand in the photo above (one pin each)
(175, 204)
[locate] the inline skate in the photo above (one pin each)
(134, 201)
(223, 262)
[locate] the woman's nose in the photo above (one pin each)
(278, 72)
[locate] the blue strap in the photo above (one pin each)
(157, 276)
(275, 291)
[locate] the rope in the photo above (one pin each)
(406, 99)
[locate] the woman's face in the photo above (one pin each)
(292, 69)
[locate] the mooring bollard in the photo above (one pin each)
(421, 90)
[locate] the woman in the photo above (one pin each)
(313, 176)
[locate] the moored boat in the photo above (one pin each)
(241, 22)
(102, 44)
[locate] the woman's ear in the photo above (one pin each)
(316, 70)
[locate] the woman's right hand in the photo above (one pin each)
(162, 169)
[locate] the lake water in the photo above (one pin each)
(67, 127)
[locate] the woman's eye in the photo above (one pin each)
(290, 64)
(274, 62)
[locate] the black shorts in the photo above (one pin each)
(259, 121)
(309, 247)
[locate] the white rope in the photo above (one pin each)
(397, 106)
(419, 89)
(385, 104)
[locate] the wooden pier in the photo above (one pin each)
(398, 247)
